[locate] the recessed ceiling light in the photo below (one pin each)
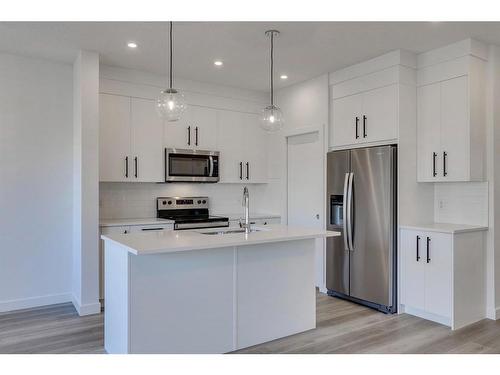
(132, 45)
(218, 63)
(283, 76)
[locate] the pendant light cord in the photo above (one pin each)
(272, 67)
(171, 53)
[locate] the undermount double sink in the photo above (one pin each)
(221, 232)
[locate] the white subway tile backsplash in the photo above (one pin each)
(461, 203)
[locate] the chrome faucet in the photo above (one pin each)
(246, 203)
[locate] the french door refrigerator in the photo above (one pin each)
(361, 204)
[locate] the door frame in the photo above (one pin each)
(320, 129)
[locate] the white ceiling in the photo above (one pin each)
(303, 50)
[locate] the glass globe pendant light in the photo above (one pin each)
(272, 118)
(171, 103)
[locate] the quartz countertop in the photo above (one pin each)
(178, 241)
(132, 222)
(444, 227)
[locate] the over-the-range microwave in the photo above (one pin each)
(183, 165)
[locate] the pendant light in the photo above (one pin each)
(272, 118)
(171, 103)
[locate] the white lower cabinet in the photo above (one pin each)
(442, 276)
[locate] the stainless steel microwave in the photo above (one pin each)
(183, 165)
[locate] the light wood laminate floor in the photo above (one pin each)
(342, 327)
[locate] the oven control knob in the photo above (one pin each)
(164, 202)
(204, 201)
(199, 202)
(169, 202)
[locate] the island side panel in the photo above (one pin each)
(116, 312)
(276, 294)
(182, 302)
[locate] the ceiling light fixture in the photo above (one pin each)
(171, 103)
(132, 45)
(284, 76)
(272, 117)
(218, 63)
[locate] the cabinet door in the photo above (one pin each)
(379, 119)
(230, 132)
(180, 133)
(438, 274)
(255, 150)
(413, 275)
(147, 142)
(114, 138)
(203, 123)
(343, 127)
(455, 136)
(428, 131)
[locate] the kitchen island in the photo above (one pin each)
(208, 291)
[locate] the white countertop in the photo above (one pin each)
(177, 241)
(126, 222)
(444, 227)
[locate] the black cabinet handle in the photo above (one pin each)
(434, 155)
(196, 136)
(364, 126)
(248, 170)
(428, 251)
(151, 229)
(241, 170)
(418, 250)
(135, 166)
(189, 135)
(126, 166)
(445, 154)
(357, 121)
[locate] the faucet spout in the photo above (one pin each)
(246, 205)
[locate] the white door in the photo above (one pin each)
(180, 133)
(428, 132)
(455, 138)
(346, 119)
(147, 142)
(230, 132)
(305, 189)
(438, 274)
(413, 264)
(114, 138)
(379, 119)
(255, 150)
(204, 128)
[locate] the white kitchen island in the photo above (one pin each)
(189, 292)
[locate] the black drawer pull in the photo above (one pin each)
(151, 229)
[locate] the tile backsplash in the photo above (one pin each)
(461, 203)
(118, 200)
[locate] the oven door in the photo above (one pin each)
(191, 165)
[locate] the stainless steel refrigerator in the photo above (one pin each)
(361, 204)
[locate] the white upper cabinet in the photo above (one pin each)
(147, 142)
(196, 129)
(451, 127)
(346, 114)
(243, 147)
(114, 138)
(130, 140)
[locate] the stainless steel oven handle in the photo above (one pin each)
(349, 212)
(344, 210)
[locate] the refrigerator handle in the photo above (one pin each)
(344, 209)
(349, 212)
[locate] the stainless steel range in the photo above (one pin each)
(188, 213)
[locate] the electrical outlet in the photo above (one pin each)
(441, 204)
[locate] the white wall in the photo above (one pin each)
(35, 182)
(85, 281)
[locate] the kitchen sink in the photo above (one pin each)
(231, 231)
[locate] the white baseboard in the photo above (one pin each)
(86, 309)
(26, 303)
